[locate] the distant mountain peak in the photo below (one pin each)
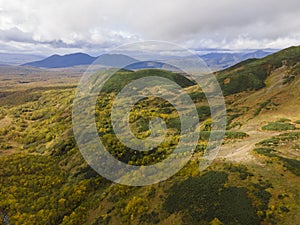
(58, 61)
(79, 58)
(222, 60)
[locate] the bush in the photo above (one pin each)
(275, 141)
(292, 165)
(61, 146)
(283, 120)
(203, 198)
(284, 209)
(5, 146)
(262, 106)
(270, 142)
(197, 96)
(265, 151)
(230, 118)
(279, 126)
(203, 112)
(240, 169)
(174, 123)
(288, 79)
(235, 135)
(205, 135)
(235, 124)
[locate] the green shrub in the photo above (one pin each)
(240, 169)
(292, 165)
(197, 96)
(265, 151)
(201, 199)
(235, 124)
(235, 135)
(275, 141)
(61, 146)
(284, 209)
(279, 126)
(270, 142)
(283, 120)
(204, 135)
(149, 218)
(262, 106)
(288, 79)
(5, 146)
(232, 117)
(174, 123)
(203, 112)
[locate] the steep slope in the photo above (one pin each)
(252, 73)
(276, 97)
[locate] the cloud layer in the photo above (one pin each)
(95, 25)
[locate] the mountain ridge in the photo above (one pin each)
(252, 73)
(79, 58)
(215, 60)
(224, 60)
(58, 61)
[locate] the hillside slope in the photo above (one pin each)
(252, 73)
(276, 102)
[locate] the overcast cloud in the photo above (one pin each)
(61, 26)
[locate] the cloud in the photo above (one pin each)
(14, 34)
(90, 24)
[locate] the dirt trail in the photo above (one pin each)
(241, 149)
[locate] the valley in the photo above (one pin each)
(253, 180)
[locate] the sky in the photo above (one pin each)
(95, 26)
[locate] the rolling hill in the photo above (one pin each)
(254, 180)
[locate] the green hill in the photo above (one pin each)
(252, 73)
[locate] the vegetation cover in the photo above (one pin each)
(45, 180)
